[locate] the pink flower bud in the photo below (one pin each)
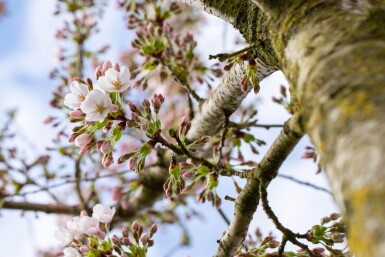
(85, 149)
(83, 249)
(132, 163)
(78, 114)
(117, 66)
(145, 238)
(83, 140)
(106, 66)
(83, 213)
(105, 147)
(71, 139)
(107, 161)
(153, 229)
(156, 103)
(183, 121)
(100, 234)
(99, 144)
(98, 72)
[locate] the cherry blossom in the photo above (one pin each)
(88, 225)
(71, 252)
(103, 213)
(83, 225)
(115, 80)
(78, 94)
(96, 106)
(74, 226)
(63, 236)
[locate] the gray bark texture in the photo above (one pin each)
(333, 54)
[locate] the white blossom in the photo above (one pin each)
(83, 225)
(78, 94)
(74, 226)
(88, 225)
(115, 81)
(103, 213)
(96, 106)
(63, 236)
(71, 252)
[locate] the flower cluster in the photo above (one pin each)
(267, 243)
(84, 225)
(97, 102)
(86, 236)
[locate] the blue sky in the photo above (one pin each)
(27, 48)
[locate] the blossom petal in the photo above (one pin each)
(95, 116)
(71, 101)
(78, 88)
(105, 84)
(87, 106)
(112, 74)
(124, 74)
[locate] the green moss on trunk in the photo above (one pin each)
(335, 61)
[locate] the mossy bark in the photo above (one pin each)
(334, 58)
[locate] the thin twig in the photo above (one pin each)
(78, 189)
(290, 235)
(70, 182)
(220, 211)
(224, 56)
(223, 215)
(304, 183)
(229, 198)
(281, 248)
(253, 124)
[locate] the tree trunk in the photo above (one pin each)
(333, 54)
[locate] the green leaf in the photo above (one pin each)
(147, 50)
(248, 138)
(203, 170)
(93, 253)
(190, 55)
(159, 45)
(236, 142)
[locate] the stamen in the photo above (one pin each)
(81, 98)
(116, 84)
(99, 108)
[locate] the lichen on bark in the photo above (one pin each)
(334, 59)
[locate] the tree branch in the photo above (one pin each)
(209, 9)
(270, 7)
(223, 101)
(248, 200)
(47, 208)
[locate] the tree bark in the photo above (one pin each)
(334, 57)
(333, 54)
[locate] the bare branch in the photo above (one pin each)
(209, 9)
(47, 208)
(248, 200)
(304, 183)
(223, 101)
